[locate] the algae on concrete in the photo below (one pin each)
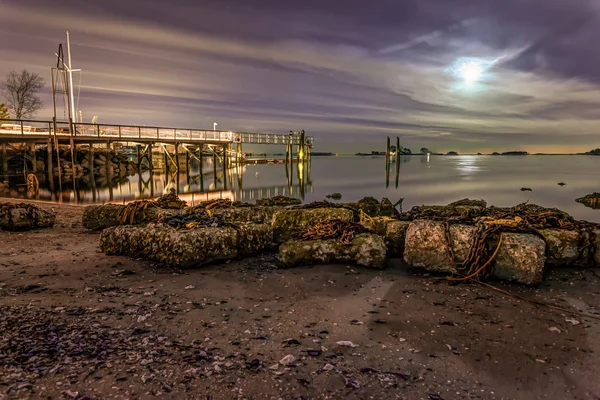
(288, 223)
(366, 249)
(521, 257)
(563, 246)
(393, 231)
(100, 217)
(257, 214)
(186, 248)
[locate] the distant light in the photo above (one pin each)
(471, 72)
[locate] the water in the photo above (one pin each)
(496, 179)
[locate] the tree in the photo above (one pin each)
(20, 91)
(424, 150)
(4, 111)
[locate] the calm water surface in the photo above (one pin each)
(442, 179)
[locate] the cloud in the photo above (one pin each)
(364, 70)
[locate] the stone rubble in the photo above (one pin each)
(246, 229)
(366, 249)
(24, 217)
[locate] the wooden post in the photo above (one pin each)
(4, 159)
(225, 162)
(398, 154)
(300, 155)
(387, 151)
(201, 156)
(91, 172)
(187, 160)
(72, 144)
(33, 156)
(49, 166)
(109, 171)
(150, 163)
(177, 159)
(166, 158)
(215, 166)
(238, 153)
(187, 166)
(287, 155)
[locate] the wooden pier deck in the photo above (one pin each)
(43, 131)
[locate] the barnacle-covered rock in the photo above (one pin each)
(24, 216)
(288, 223)
(367, 249)
(521, 257)
(186, 248)
(104, 216)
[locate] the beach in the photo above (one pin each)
(79, 324)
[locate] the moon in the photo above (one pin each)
(471, 72)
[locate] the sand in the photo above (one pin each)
(78, 324)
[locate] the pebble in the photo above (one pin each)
(346, 343)
(287, 360)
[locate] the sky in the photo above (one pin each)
(348, 72)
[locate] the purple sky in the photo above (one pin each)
(349, 72)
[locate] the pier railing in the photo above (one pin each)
(111, 132)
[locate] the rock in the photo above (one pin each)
(596, 240)
(23, 217)
(590, 200)
(367, 249)
(346, 343)
(562, 246)
(394, 233)
(426, 245)
(395, 236)
(287, 360)
(288, 223)
(374, 208)
(278, 201)
(254, 238)
(100, 217)
(256, 215)
(334, 196)
(521, 257)
(186, 248)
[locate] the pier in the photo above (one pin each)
(23, 136)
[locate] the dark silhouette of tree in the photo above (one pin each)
(424, 150)
(4, 112)
(20, 91)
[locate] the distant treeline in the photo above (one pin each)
(511, 153)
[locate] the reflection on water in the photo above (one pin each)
(496, 179)
(242, 183)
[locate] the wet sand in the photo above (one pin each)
(78, 324)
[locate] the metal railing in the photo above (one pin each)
(131, 132)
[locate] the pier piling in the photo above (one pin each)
(4, 159)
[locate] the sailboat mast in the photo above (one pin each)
(72, 98)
